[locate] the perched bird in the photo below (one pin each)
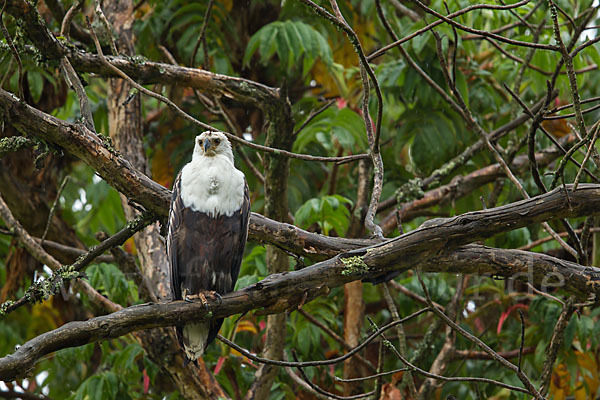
(208, 227)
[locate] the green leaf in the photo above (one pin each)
(126, 358)
(36, 84)
(109, 279)
(292, 41)
(329, 212)
(268, 44)
(461, 85)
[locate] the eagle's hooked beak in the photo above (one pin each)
(206, 144)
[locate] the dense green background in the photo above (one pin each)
(284, 44)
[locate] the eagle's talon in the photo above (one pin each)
(218, 297)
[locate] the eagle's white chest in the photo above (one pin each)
(212, 185)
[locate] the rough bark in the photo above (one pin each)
(126, 132)
(354, 306)
(460, 186)
(143, 71)
(354, 310)
(137, 187)
(279, 135)
(438, 242)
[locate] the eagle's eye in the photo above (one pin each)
(217, 141)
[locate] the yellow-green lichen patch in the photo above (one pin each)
(354, 265)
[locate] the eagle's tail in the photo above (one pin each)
(195, 339)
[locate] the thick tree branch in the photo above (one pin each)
(242, 90)
(459, 186)
(120, 174)
(287, 290)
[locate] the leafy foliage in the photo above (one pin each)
(285, 45)
(328, 212)
(294, 42)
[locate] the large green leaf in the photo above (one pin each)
(294, 42)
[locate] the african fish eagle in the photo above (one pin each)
(208, 227)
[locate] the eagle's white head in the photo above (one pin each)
(211, 144)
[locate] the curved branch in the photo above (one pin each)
(119, 173)
(242, 90)
(433, 240)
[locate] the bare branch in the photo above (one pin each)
(455, 14)
(13, 49)
(485, 33)
(82, 261)
(202, 37)
(555, 344)
(65, 26)
(504, 362)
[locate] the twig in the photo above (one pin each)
(455, 14)
(324, 392)
(446, 353)
(555, 344)
(545, 294)
(366, 378)
(193, 120)
(107, 27)
(537, 119)
(313, 114)
(470, 120)
(482, 355)
(202, 37)
(14, 51)
(402, 9)
(455, 47)
(565, 106)
(508, 26)
(584, 45)
(380, 361)
(60, 275)
(53, 208)
(303, 383)
(587, 156)
(65, 27)
(568, 61)
(65, 273)
(401, 336)
(522, 338)
(558, 172)
(504, 362)
(565, 116)
(517, 16)
(96, 298)
(27, 241)
(336, 360)
(585, 238)
(373, 135)
(485, 33)
(450, 379)
(73, 81)
(549, 136)
(335, 337)
(409, 293)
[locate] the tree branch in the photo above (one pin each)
(289, 289)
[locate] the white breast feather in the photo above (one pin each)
(212, 185)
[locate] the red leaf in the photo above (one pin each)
(506, 313)
(146, 381)
(219, 365)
